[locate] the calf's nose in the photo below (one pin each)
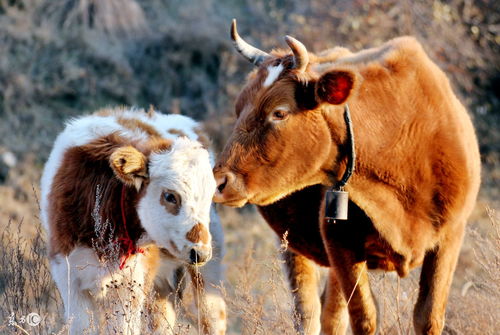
(199, 255)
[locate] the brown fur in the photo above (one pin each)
(135, 124)
(202, 137)
(416, 178)
(155, 144)
(198, 234)
(153, 253)
(177, 132)
(106, 111)
(297, 215)
(73, 195)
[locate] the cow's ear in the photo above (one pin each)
(129, 165)
(334, 87)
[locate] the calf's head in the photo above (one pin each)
(289, 125)
(176, 187)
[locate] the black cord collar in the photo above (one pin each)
(351, 154)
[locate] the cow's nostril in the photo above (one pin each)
(222, 182)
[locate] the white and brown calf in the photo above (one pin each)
(126, 203)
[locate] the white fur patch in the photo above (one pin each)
(273, 73)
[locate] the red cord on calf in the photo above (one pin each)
(126, 243)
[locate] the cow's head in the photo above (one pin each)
(289, 125)
(176, 187)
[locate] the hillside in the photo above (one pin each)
(63, 58)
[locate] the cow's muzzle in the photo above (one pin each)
(231, 189)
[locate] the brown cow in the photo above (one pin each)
(415, 183)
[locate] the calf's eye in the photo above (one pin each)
(169, 197)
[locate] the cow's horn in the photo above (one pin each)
(254, 55)
(300, 55)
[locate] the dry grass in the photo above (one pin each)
(255, 289)
(62, 58)
(26, 284)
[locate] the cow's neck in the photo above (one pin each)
(336, 167)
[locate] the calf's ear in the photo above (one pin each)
(129, 165)
(335, 87)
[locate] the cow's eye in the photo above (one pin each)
(279, 115)
(169, 197)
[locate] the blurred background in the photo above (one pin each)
(64, 58)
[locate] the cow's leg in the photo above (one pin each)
(303, 277)
(352, 275)
(435, 280)
(334, 315)
(297, 218)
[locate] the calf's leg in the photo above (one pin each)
(205, 326)
(163, 309)
(98, 297)
(69, 274)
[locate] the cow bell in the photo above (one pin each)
(336, 205)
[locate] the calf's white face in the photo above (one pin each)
(175, 209)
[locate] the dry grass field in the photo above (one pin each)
(63, 58)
